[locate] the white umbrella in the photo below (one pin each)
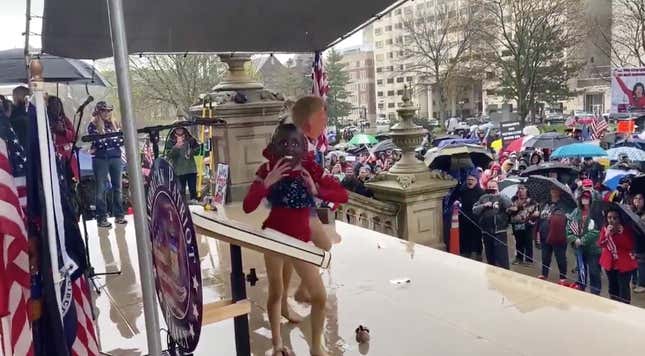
(634, 154)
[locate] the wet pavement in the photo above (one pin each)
(415, 300)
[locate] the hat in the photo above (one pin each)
(513, 155)
(587, 185)
(474, 173)
(101, 106)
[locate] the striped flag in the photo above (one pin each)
(14, 258)
(320, 88)
(85, 343)
(598, 128)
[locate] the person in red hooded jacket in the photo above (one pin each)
(494, 172)
(617, 256)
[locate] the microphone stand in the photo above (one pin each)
(91, 273)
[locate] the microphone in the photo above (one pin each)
(87, 101)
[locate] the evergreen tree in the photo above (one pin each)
(337, 104)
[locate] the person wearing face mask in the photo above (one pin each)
(617, 255)
(492, 209)
(552, 231)
(582, 234)
(470, 237)
(524, 214)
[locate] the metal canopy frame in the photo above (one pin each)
(117, 28)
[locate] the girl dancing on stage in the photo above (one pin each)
(289, 181)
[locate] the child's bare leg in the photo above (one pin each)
(287, 271)
(314, 284)
(274, 265)
(320, 239)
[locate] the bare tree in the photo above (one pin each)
(436, 46)
(533, 45)
(624, 40)
(175, 80)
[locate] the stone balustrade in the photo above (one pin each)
(370, 214)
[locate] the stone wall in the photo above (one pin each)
(370, 214)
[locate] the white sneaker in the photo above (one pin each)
(639, 289)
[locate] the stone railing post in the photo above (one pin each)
(412, 186)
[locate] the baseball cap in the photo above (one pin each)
(102, 106)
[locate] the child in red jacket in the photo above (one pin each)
(290, 181)
(617, 256)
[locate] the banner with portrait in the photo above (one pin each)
(628, 91)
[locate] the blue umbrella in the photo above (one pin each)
(578, 150)
(613, 177)
(634, 154)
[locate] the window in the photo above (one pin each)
(490, 92)
(399, 92)
(408, 79)
(390, 55)
(390, 80)
(363, 86)
(506, 53)
(381, 106)
(490, 75)
(398, 26)
(379, 69)
(391, 116)
(399, 80)
(378, 31)
(379, 82)
(390, 93)
(388, 28)
(379, 44)
(390, 68)
(401, 67)
(397, 12)
(390, 105)
(379, 93)
(388, 41)
(398, 39)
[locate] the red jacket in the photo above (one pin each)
(624, 242)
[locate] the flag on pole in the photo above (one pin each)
(14, 255)
(321, 89)
(598, 128)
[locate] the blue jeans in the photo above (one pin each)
(102, 168)
(592, 267)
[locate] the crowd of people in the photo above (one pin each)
(354, 171)
(595, 228)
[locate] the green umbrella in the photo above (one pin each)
(363, 139)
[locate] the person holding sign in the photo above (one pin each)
(636, 95)
(289, 181)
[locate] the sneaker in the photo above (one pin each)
(541, 277)
(564, 282)
(104, 223)
(121, 221)
(639, 289)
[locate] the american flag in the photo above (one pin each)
(598, 128)
(574, 227)
(16, 332)
(85, 343)
(320, 88)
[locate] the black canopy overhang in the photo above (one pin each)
(80, 28)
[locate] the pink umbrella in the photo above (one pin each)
(517, 145)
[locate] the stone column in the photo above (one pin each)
(251, 114)
(412, 186)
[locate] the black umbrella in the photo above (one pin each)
(549, 140)
(539, 189)
(638, 185)
(382, 146)
(454, 157)
(546, 168)
(55, 69)
(632, 219)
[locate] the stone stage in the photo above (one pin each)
(416, 301)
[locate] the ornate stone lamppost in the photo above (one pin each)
(411, 185)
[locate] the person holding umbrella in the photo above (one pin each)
(582, 234)
(617, 256)
(593, 170)
(524, 214)
(493, 211)
(470, 238)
